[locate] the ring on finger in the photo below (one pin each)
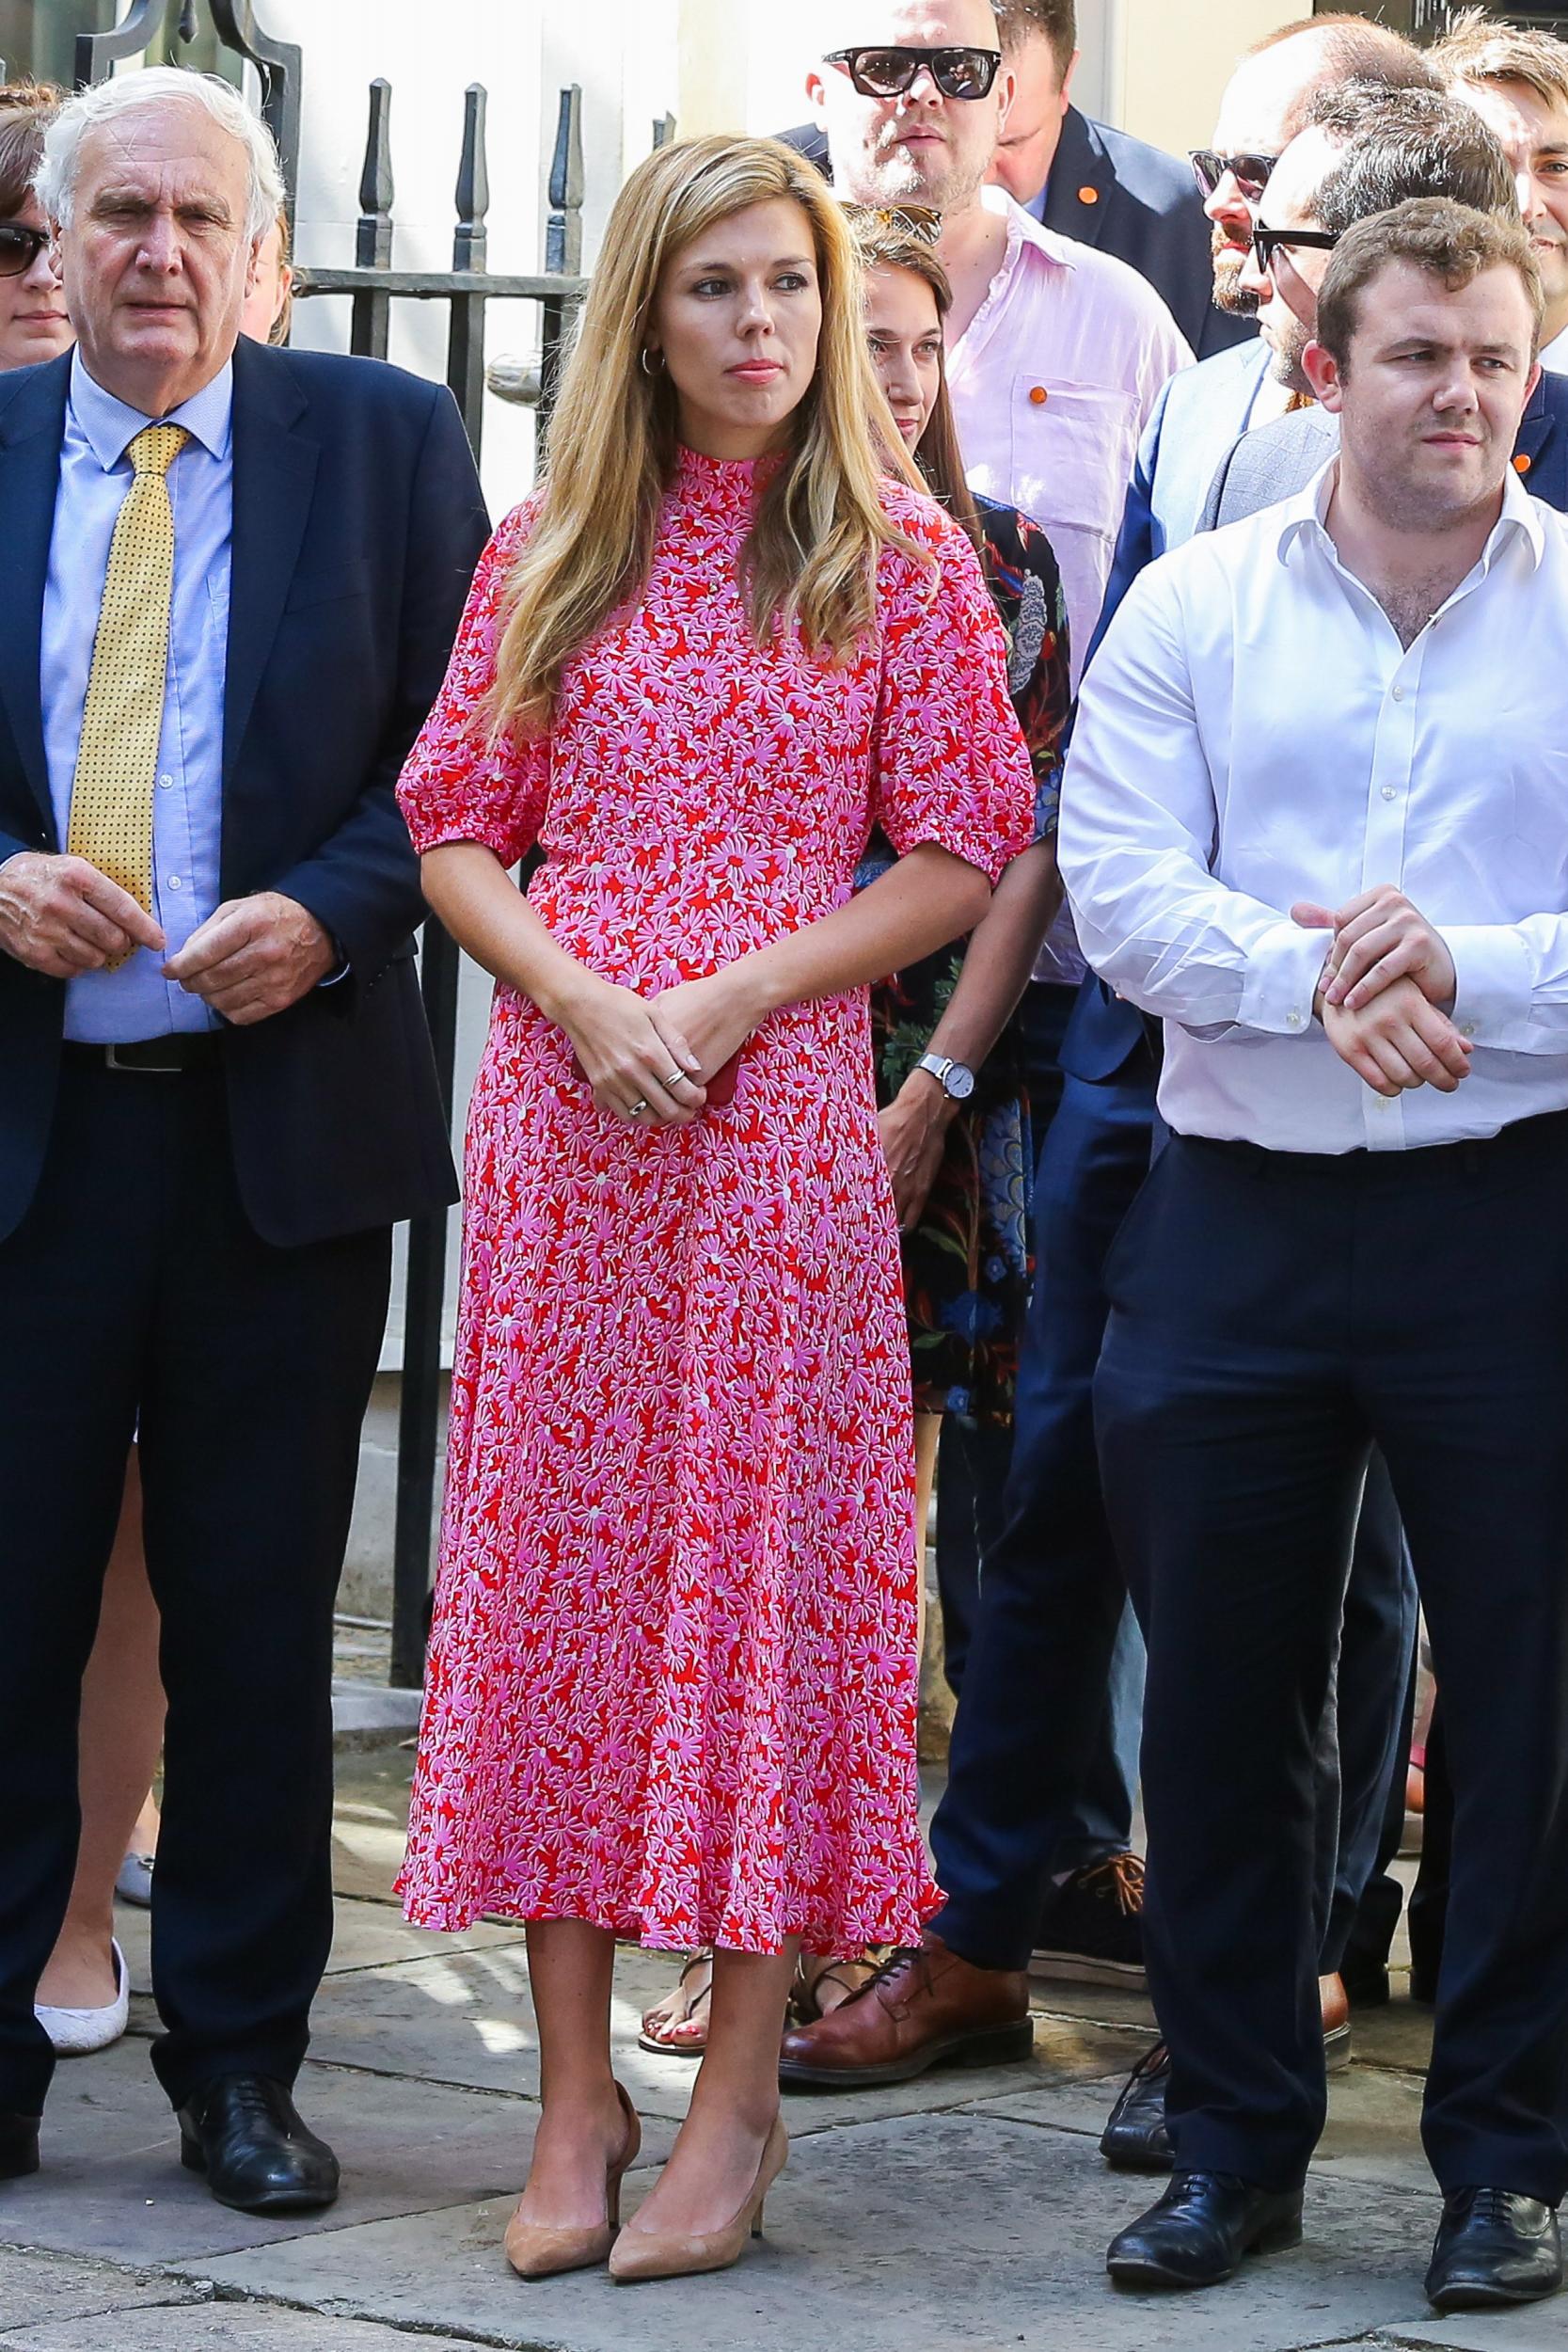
(674, 1079)
(638, 1107)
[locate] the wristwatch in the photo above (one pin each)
(956, 1078)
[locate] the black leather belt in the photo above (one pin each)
(195, 1049)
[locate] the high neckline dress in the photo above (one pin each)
(673, 1677)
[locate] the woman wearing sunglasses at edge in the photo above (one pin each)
(673, 1676)
(83, 2003)
(959, 1160)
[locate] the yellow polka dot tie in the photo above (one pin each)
(116, 759)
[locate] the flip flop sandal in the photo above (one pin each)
(688, 2045)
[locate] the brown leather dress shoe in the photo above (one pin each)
(923, 2007)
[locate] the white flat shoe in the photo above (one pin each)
(76, 2032)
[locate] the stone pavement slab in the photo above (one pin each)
(465, 2017)
(112, 2184)
(365, 1936)
(959, 2231)
(1373, 2132)
(225, 2327)
(36, 2287)
(1535, 2327)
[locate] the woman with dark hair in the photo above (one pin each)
(673, 1671)
(33, 321)
(952, 1111)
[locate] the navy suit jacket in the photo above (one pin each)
(1279, 459)
(357, 521)
(1131, 200)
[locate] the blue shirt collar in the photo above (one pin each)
(110, 425)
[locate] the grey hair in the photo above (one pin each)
(55, 181)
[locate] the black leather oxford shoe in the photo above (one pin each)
(1200, 2229)
(1492, 2247)
(1136, 2138)
(244, 2134)
(19, 2146)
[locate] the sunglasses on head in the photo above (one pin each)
(20, 249)
(1266, 243)
(1250, 172)
(917, 222)
(889, 73)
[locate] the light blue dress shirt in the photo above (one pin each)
(117, 1007)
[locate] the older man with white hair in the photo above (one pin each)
(232, 577)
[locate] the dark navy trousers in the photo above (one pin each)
(1273, 1317)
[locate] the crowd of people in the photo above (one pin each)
(1023, 700)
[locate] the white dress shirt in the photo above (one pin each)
(1252, 733)
(1052, 382)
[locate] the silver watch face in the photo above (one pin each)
(959, 1081)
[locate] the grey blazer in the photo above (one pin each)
(1272, 462)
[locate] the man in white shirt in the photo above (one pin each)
(1318, 728)
(1055, 352)
(1516, 79)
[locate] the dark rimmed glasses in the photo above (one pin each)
(918, 222)
(20, 249)
(1250, 172)
(1266, 243)
(878, 72)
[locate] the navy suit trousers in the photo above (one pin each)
(1273, 1317)
(134, 1291)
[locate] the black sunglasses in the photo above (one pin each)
(889, 73)
(20, 249)
(1250, 172)
(1266, 243)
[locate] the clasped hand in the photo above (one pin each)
(646, 1056)
(251, 957)
(1387, 992)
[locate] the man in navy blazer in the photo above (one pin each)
(1101, 185)
(217, 1088)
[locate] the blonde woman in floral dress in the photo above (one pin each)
(673, 1676)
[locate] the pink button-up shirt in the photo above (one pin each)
(1053, 383)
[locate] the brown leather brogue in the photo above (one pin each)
(923, 2007)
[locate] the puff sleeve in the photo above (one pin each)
(948, 762)
(457, 783)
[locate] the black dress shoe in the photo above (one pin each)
(19, 2146)
(1200, 2229)
(1136, 2138)
(244, 2134)
(1492, 2247)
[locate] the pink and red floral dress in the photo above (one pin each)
(672, 1679)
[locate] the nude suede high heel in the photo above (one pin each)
(666, 2254)
(539, 2253)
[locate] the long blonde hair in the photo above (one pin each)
(811, 551)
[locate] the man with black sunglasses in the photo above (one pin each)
(1364, 152)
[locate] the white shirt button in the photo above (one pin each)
(1468, 1029)
(1398, 697)
(164, 783)
(1390, 793)
(174, 882)
(1293, 1020)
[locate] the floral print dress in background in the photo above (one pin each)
(966, 1264)
(671, 1680)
